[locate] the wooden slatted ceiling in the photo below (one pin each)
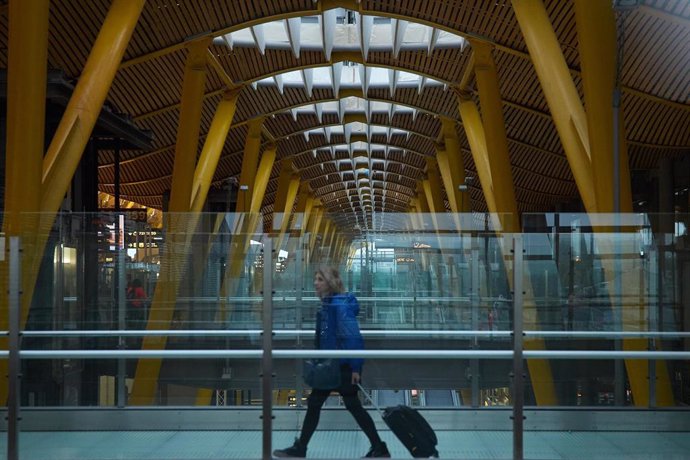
(654, 123)
(652, 43)
(656, 62)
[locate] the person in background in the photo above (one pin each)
(136, 304)
(337, 329)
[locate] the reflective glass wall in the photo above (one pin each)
(117, 314)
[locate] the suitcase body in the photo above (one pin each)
(412, 430)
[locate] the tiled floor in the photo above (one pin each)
(183, 445)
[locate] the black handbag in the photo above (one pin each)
(322, 374)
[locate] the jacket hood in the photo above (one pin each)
(346, 299)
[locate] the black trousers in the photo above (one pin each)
(352, 403)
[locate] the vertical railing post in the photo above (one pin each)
(299, 319)
(267, 346)
(518, 374)
(653, 303)
(121, 296)
(474, 305)
(617, 303)
(14, 365)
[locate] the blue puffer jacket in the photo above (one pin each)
(337, 327)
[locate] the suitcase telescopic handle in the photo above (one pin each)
(368, 396)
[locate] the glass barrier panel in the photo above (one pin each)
(109, 272)
(418, 294)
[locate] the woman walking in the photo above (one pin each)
(337, 329)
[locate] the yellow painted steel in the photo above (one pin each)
(213, 147)
(315, 228)
(250, 162)
(77, 122)
(596, 32)
(263, 173)
(452, 169)
(287, 209)
(249, 196)
(288, 185)
(26, 95)
(332, 239)
(432, 187)
(188, 127)
(492, 168)
(560, 91)
(472, 123)
(203, 397)
(180, 224)
(422, 203)
(280, 203)
(495, 132)
(305, 203)
(589, 147)
(597, 46)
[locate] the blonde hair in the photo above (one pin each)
(332, 278)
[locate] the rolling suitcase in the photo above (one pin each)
(410, 427)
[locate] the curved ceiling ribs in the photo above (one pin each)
(353, 92)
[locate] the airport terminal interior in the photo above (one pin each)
(503, 185)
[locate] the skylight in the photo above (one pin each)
(338, 30)
(349, 75)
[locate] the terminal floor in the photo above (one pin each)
(184, 445)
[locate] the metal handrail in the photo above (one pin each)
(434, 333)
(257, 332)
(378, 354)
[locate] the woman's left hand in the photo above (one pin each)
(355, 378)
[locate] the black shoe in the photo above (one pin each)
(297, 450)
(379, 450)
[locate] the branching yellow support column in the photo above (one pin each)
(287, 210)
(253, 182)
(213, 147)
(178, 221)
(250, 162)
(315, 228)
(76, 125)
(474, 130)
(280, 203)
(84, 106)
(493, 166)
(560, 91)
(203, 176)
(495, 135)
(434, 196)
(596, 29)
(432, 187)
(26, 95)
(451, 166)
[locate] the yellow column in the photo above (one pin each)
(213, 147)
(82, 111)
(315, 227)
(290, 197)
(561, 94)
(451, 166)
(495, 134)
(263, 173)
(280, 203)
(26, 95)
(493, 167)
(250, 161)
(597, 46)
(474, 130)
(179, 222)
(432, 187)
